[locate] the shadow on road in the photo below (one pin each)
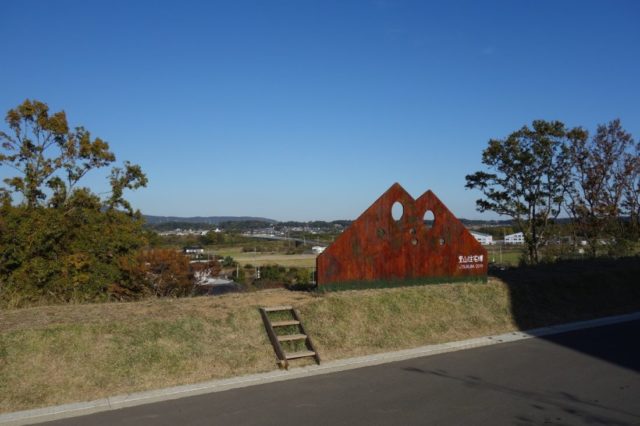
(567, 405)
(576, 290)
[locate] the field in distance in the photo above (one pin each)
(268, 258)
(508, 256)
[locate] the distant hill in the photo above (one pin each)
(506, 222)
(481, 222)
(216, 220)
(211, 220)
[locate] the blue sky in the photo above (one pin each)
(302, 110)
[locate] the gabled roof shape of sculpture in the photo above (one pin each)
(376, 247)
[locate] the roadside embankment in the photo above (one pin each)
(59, 354)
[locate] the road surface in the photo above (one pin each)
(587, 377)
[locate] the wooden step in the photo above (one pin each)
(301, 354)
(285, 323)
(297, 336)
(278, 308)
(290, 337)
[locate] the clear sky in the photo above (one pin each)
(302, 110)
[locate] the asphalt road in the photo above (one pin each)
(587, 377)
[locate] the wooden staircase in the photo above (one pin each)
(281, 336)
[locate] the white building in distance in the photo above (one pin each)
(517, 238)
(193, 250)
(484, 239)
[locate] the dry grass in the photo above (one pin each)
(58, 354)
(356, 323)
(214, 308)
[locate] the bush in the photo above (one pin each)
(167, 272)
(228, 261)
(78, 254)
(276, 275)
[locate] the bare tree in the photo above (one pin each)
(631, 201)
(602, 174)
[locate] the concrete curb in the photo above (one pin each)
(139, 398)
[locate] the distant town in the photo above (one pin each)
(285, 232)
(487, 232)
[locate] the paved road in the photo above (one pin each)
(587, 377)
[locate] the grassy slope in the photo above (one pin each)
(57, 354)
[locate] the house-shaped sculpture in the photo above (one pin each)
(380, 248)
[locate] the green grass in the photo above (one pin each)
(261, 259)
(506, 255)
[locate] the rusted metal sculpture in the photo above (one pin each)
(378, 248)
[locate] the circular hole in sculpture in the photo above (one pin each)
(414, 241)
(396, 211)
(429, 219)
(441, 241)
(412, 231)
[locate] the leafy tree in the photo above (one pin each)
(168, 226)
(52, 159)
(604, 171)
(527, 177)
(212, 237)
(299, 276)
(59, 241)
(168, 272)
(228, 262)
(631, 200)
(273, 273)
(211, 268)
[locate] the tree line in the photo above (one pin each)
(537, 173)
(59, 241)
